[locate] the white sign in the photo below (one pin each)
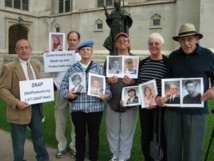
(36, 91)
(58, 61)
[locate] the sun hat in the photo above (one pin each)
(187, 30)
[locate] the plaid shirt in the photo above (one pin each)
(83, 102)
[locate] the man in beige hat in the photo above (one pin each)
(186, 127)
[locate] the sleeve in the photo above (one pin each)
(6, 80)
(64, 86)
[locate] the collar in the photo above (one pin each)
(196, 52)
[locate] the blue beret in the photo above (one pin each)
(88, 43)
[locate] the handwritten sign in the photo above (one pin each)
(36, 91)
(58, 61)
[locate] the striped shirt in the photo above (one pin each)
(152, 69)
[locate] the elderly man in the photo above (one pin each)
(20, 114)
(186, 127)
(174, 96)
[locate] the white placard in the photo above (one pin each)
(58, 61)
(36, 91)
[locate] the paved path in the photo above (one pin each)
(6, 153)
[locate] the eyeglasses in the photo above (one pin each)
(122, 40)
(24, 48)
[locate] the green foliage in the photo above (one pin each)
(104, 152)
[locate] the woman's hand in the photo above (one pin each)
(160, 101)
(103, 97)
(71, 95)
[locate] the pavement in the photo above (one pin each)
(6, 152)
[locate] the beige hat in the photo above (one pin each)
(186, 30)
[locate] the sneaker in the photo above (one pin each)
(60, 153)
(114, 158)
(73, 152)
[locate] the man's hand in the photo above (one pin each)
(112, 79)
(21, 105)
(208, 94)
(128, 80)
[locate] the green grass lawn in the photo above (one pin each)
(104, 152)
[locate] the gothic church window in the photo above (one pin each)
(100, 3)
(65, 6)
(17, 4)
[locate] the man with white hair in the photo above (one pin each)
(186, 127)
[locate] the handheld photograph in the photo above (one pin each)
(97, 85)
(148, 92)
(130, 96)
(77, 83)
(56, 41)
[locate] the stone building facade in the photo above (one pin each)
(38, 18)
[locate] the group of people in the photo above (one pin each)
(182, 129)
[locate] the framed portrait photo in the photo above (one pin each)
(148, 92)
(192, 90)
(56, 41)
(96, 85)
(114, 66)
(130, 96)
(77, 83)
(171, 89)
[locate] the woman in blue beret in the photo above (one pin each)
(86, 110)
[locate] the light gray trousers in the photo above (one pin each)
(120, 129)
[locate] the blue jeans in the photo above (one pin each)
(18, 135)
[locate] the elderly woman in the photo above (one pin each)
(86, 110)
(152, 67)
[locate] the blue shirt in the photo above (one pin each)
(83, 102)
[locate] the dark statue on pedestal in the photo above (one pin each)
(119, 20)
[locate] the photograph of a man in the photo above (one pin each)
(96, 87)
(130, 96)
(76, 84)
(193, 96)
(133, 98)
(115, 65)
(129, 66)
(173, 96)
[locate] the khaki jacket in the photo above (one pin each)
(11, 74)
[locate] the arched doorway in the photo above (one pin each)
(16, 32)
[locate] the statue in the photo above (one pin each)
(118, 20)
